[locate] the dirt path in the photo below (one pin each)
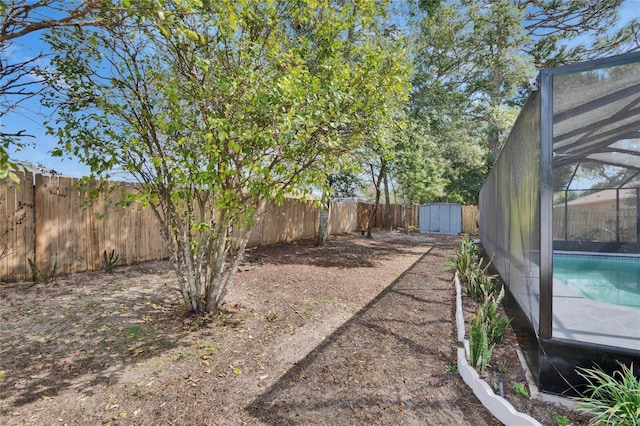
(390, 364)
(360, 332)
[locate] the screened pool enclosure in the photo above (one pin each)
(559, 216)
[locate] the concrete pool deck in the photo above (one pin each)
(583, 320)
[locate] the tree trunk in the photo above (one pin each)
(405, 216)
(387, 202)
(324, 220)
(376, 183)
(203, 258)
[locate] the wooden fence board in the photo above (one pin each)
(396, 216)
(48, 219)
(470, 220)
(16, 227)
(343, 218)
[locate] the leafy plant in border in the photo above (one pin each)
(465, 256)
(480, 285)
(110, 261)
(468, 245)
(479, 343)
(521, 389)
(613, 399)
(38, 276)
(496, 324)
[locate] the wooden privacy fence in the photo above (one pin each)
(364, 210)
(48, 220)
(595, 223)
(470, 220)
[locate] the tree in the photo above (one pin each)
(19, 18)
(388, 88)
(474, 61)
(213, 108)
(567, 32)
(417, 168)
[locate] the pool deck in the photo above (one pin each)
(583, 320)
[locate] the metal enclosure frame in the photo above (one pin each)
(597, 132)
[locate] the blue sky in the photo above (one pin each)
(30, 115)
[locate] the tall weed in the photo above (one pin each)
(612, 399)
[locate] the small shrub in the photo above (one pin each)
(521, 389)
(38, 276)
(496, 324)
(465, 263)
(110, 261)
(558, 419)
(466, 255)
(469, 245)
(479, 343)
(480, 285)
(612, 399)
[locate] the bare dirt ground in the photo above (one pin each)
(360, 332)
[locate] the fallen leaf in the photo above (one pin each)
(237, 371)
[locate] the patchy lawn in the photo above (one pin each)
(350, 333)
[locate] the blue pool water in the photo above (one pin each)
(608, 279)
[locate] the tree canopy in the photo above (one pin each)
(474, 61)
(18, 82)
(213, 107)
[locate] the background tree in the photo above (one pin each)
(567, 32)
(213, 108)
(474, 62)
(387, 87)
(18, 80)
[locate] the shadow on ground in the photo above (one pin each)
(355, 375)
(75, 332)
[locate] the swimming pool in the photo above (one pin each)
(608, 279)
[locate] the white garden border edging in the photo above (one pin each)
(498, 406)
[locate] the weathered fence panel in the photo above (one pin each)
(364, 211)
(470, 220)
(343, 218)
(49, 220)
(73, 231)
(16, 227)
(589, 223)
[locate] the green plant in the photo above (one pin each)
(465, 257)
(558, 419)
(479, 343)
(134, 333)
(613, 399)
(110, 261)
(467, 244)
(272, 316)
(451, 368)
(39, 277)
(496, 324)
(521, 389)
(480, 285)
